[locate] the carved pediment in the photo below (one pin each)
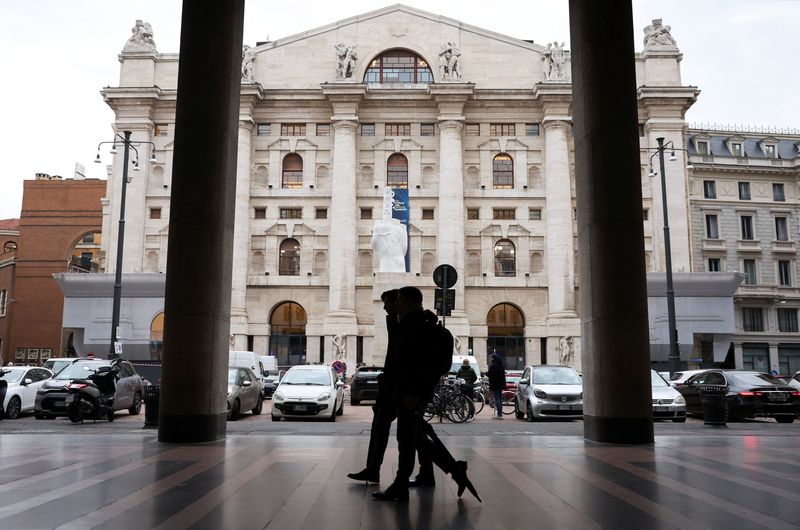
(518, 230)
(413, 230)
(492, 230)
(492, 144)
(407, 144)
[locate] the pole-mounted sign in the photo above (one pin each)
(445, 277)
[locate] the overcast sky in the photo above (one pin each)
(56, 56)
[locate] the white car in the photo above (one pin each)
(795, 381)
(23, 382)
(679, 377)
(668, 403)
(309, 391)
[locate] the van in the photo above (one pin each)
(458, 361)
(269, 363)
(245, 359)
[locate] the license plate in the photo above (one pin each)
(300, 408)
(563, 407)
(660, 408)
(777, 396)
(372, 382)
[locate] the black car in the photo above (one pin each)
(748, 395)
(269, 384)
(364, 384)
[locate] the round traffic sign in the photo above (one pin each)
(339, 367)
(439, 274)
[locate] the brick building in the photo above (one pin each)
(9, 240)
(59, 231)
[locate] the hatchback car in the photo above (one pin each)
(668, 403)
(795, 381)
(23, 382)
(51, 396)
(549, 391)
(512, 378)
(309, 391)
(364, 384)
(244, 392)
(748, 395)
(680, 377)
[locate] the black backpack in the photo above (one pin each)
(442, 349)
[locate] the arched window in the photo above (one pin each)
(503, 172)
(505, 259)
(506, 335)
(84, 255)
(292, 171)
(397, 171)
(398, 66)
(428, 263)
(157, 337)
(289, 264)
(287, 339)
(10, 246)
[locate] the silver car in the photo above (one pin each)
(549, 391)
(244, 392)
(795, 381)
(668, 403)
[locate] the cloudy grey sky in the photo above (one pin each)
(55, 57)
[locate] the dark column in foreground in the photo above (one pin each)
(198, 289)
(613, 290)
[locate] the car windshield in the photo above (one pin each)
(307, 377)
(555, 375)
(78, 370)
(656, 379)
(56, 366)
(756, 379)
(232, 372)
(11, 376)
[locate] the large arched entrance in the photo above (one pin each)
(506, 335)
(287, 339)
(157, 336)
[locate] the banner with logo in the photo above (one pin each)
(401, 211)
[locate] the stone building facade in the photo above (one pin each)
(9, 243)
(745, 214)
(477, 126)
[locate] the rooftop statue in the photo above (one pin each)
(346, 61)
(554, 59)
(657, 35)
(450, 62)
(248, 60)
(142, 38)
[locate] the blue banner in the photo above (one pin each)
(401, 211)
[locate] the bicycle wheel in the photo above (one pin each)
(432, 408)
(460, 409)
(509, 402)
(478, 401)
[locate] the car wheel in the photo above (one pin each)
(14, 408)
(340, 410)
(530, 413)
(784, 419)
(235, 410)
(332, 417)
(136, 406)
(257, 410)
(110, 416)
(273, 417)
(518, 412)
(679, 420)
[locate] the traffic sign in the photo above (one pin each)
(445, 273)
(339, 367)
(118, 348)
(451, 301)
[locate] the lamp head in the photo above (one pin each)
(97, 158)
(136, 165)
(672, 157)
(153, 157)
(652, 173)
(113, 149)
(689, 166)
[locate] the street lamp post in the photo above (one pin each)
(674, 358)
(127, 146)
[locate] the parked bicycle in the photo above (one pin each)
(449, 402)
(484, 395)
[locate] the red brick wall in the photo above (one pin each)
(55, 214)
(9, 231)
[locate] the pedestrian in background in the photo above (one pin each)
(467, 373)
(497, 383)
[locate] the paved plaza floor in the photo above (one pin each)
(292, 475)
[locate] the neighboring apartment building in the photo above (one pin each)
(59, 231)
(745, 209)
(9, 242)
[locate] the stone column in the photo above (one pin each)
(343, 236)
(613, 292)
(450, 235)
(738, 356)
(202, 212)
(241, 236)
(774, 358)
(559, 240)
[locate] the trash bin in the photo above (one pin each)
(713, 401)
(151, 398)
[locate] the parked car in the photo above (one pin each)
(23, 382)
(270, 383)
(458, 361)
(244, 392)
(364, 384)
(309, 391)
(56, 364)
(51, 396)
(668, 403)
(680, 377)
(512, 378)
(795, 381)
(549, 391)
(748, 395)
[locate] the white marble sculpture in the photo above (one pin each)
(554, 59)
(346, 61)
(389, 239)
(456, 345)
(566, 350)
(339, 347)
(248, 60)
(142, 38)
(657, 35)
(450, 62)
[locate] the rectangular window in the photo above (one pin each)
(160, 129)
(778, 194)
(714, 265)
(3, 299)
(293, 129)
(504, 213)
(750, 272)
(769, 151)
(320, 213)
(787, 319)
(260, 213)
(747, 227)
(641, 130)
(398, 129)
(291, 213)
(473, 129)
(264, 129)
(784, 273)
(323, 129)
(427, 213)
(781, 229)
(473, 213)
(712, 227)
(366, 213)
(502, 129)
(88, 239)
(744, 191)
(752, 319)
(535, 214)
(709, 189)
(645, 214)
(531, 129)
(155, 213)
(367, 129)
(736, 149)
(702, 148)
(427, 129)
